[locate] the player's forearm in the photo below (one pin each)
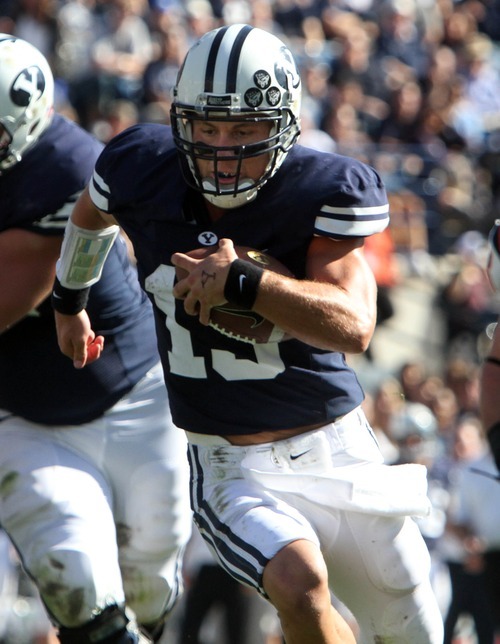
(319, 314)
(88, 238)
(490, 384)
(86, 215)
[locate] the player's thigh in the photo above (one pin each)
(379, 567)
(147, 465)
(44, 483)
(56, 507)
(245, 525)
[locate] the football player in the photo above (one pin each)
(490, 375)
(478, 491)
(287, 481)
(93, 473)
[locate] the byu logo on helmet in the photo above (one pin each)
(29, 85)
(286, 70)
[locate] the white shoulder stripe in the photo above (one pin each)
(359, 212)
(99, 199)
(350, 228)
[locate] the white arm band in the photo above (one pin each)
(83, 254)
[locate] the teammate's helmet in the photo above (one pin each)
(415, 429)
(26, 98)
(236, 72)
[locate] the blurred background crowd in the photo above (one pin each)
(413, 88)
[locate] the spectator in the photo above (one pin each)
(160, 73)
(117, 116)
(122, 53)
(36, 22)
(460, 548)
(466, 297)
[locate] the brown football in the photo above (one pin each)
(235, 321)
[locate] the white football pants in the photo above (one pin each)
(100, 512)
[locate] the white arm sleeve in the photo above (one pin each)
(83, 254)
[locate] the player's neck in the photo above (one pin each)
(215, 213)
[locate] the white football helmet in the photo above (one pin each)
(415, 430)
(26, 98)
(236, 72)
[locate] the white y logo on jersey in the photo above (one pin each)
(207, 238)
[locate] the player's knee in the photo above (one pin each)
(296, 579)
(154, 590)
(394, 553)
(111, 626)
(414, 618)
(71, 588)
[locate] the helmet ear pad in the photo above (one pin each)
(237, 73)
(26, 97)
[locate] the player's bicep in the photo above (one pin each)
(86, 215)
(28, 269)
(341, 263)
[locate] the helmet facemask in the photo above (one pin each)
(275, 147)
(236, 74)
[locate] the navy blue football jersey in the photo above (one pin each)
(37, 381)
(217, 384)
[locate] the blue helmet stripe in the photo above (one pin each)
(212, 59)
(232, 67)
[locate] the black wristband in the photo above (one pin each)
(493, 436)
(242, 283)
(67, 300)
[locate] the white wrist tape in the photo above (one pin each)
(83, 254)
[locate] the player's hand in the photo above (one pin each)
(77, 340)
(202, 279)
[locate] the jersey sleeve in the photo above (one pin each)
(54, 223)
(39, 193)
(129, 170)
(356, 205)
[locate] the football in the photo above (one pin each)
(235, 321)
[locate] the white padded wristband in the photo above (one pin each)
(83, 254)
